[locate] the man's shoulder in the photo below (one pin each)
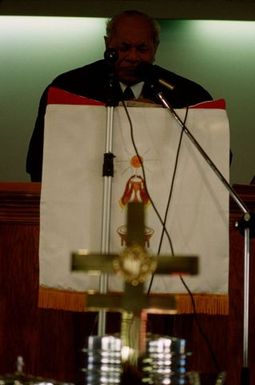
(86, 71)
(186, 91)
(174, 77)
(86, 81)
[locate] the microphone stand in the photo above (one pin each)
(246, 226)
(108, 172)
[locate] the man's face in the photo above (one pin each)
(134, 43)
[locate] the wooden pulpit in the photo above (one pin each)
(50, 339)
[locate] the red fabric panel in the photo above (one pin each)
(219, 104)
(58, 96)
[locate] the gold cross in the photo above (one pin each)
(136, 266)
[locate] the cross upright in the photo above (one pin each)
(135, 265)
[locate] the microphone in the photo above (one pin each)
(111, 81)
(147, 72)
(111, 55)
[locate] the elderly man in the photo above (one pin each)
(134, 38)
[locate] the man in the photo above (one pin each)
(134, 37)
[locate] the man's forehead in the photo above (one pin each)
(132, 26)
(132, 37)
(133, 42)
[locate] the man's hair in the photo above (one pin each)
(111, 24)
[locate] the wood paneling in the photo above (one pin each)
(50, 341)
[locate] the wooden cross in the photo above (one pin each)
(136, 266)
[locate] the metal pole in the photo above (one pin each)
(111, 57)
(245, 374)
(106, 212)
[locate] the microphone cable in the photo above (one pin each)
(165, 231)
(144, 175)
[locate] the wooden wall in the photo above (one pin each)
(50, 341)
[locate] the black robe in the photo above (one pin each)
(95, 81)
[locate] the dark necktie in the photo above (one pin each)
(128, 94)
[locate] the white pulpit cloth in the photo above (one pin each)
(72, 191)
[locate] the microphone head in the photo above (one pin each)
(148, 73)
(111, 55)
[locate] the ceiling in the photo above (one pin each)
(165, 9)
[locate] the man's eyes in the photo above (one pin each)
(124, 47)
(142, 48)
(139, 48)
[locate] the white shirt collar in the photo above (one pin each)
(136, 88)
